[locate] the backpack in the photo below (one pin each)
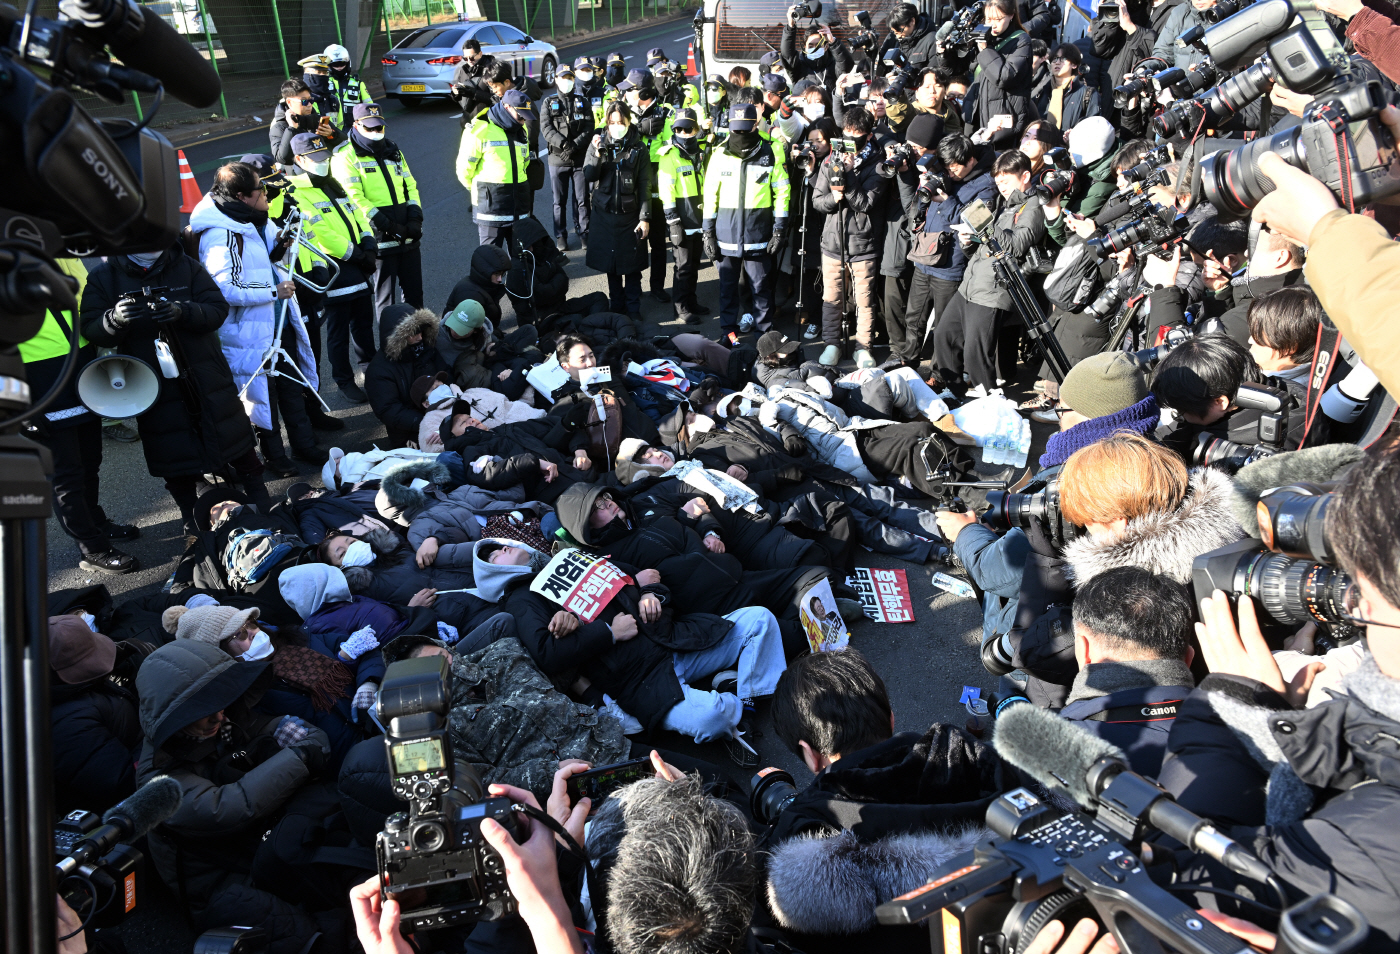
(1074, 278)
(250, 554)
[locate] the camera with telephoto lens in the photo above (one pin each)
(1183, 83)
(1291, 571)
(804, 157)
(1006, 510)
(1152, 234)
(1155, 159)
(1223, 10)
(960, 39)
(433, 858)
(807, 10)
(1341, 141)
(1273, 405)
(1139, 84)
(1217, 105)
(933, 178)
(888, 166)
(1147, 358)
(104, 891)
(897, 73)
(864, 38)
(771, 791)
(1109, 12)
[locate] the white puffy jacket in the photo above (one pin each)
(248, 279)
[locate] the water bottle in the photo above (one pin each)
(991, 450)
(1023, 446)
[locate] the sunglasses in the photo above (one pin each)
(304, 102)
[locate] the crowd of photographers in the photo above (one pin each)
(1199, 574)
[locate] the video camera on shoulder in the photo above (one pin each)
(104, 890)
(961, 39)
(1292, 570)
(433, 858)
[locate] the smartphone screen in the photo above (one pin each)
(597, 784)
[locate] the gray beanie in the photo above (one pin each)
(1103, 384)
(213, 624)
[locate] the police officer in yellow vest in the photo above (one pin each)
(349, 90)
(333, 224)
(653, 121)
(680, 171)
(376, 176)
(491, 163)
(74, 436)
(747, 196)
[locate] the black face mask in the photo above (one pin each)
(742, 142)
(689, 146)
(416, 351)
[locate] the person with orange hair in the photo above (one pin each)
(1139, 506)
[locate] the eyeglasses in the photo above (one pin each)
(1352, 609)
(1059, 59)
(602, 501)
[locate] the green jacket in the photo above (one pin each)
(1103, 182)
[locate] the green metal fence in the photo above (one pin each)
(256, 43)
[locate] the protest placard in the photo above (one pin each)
(825, 629)
(581, 583)
(884, 594)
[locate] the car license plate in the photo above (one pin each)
(413, 88)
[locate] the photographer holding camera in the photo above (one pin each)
(823, 56)
(1311, 791)
(1121, 39)
(1001, 90)
(299, 112)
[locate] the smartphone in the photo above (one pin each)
(597, 784)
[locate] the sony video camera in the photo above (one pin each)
(433, 858)
(961, 39)
(114, 878)
(1341, 141)
(1292, 572)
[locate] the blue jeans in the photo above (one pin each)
(753, 646)
(996, 564)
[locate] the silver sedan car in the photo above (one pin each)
(421, 65)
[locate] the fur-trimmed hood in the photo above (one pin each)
(831, 884)
(1309, 465)
(1164, 543)
(398, 323)
(407, 489)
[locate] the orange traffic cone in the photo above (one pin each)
(189, 189)
(690, 60)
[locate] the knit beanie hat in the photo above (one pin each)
(213, 624)
(1090, 140)
(1104, 384)
(925, 129)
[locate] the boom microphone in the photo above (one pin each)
(126, 821)
(143, 41)
(1065, 757)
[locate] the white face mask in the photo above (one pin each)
(373, 135)
(814, 110)
(440, 393)
(357, 554)
(90, 620)
(261, 648)
(584, 76)
(713, 96)
(144, 259)
(617, 130)
(317, 168)
(564, 85)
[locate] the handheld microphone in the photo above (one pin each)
(143, 41)
(126, 821)
(1066, 758)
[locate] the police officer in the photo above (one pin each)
(652, 119)
(492, 164)
(566, 122)
(714, 115)
(747, 196)
(332, 223)
(588, 83)
(680, 171)
(349, 90)
(375, 175)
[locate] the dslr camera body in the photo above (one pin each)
(1273, 405)
(1006, 509)
(433, 858)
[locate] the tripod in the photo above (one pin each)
(1037, 326)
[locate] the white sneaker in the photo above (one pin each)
(864, 359)
(1045, 415)
(746, 324)
(831, 356)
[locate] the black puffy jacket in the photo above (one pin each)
(858, 219)
(397, 364)
(836, 60)
(1002, 85)
(1314, 792)
(187, 431)
(487, 260)
(96, 741)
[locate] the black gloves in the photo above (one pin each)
(413, 229)
(776, 241)
(382, 223)
(126, 311)
(312, 753)
(795, 445)
(677, 232)
(163, 311)
(363, 256)
(712, 245)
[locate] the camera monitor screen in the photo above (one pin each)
(424, 755)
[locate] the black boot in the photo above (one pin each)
(256, 492)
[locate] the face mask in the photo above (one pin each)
(814, 110)
(713, 96)
(144, 259)
(564, 85)
(372, 135)
(687, 143)
(617, 130)
(90, 620)
(815, 53)
(858, 140)
(584, 76)
(357, 554)
(417, 350)
(260, 648)
(440, 393)
(320, 169)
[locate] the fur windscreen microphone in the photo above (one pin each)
(1055, 752)
(138, 37)
(127, 821)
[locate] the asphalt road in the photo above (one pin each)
(925, 664)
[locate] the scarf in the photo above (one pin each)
(328, 185)
(383, 149)
(322, 678)
(500, 117)
(1140, 418)
(1106, 678)
(240, 211)
(501, 527)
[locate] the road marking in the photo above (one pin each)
(688, 36)
(624, 42)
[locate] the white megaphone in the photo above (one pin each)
(118, 385)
